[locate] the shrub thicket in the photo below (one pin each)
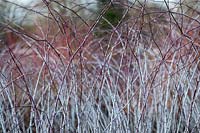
(131, 70)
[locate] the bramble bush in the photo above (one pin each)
(68, 74)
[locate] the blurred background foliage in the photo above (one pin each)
(113, 15)
(4, 14)
(15, 14)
